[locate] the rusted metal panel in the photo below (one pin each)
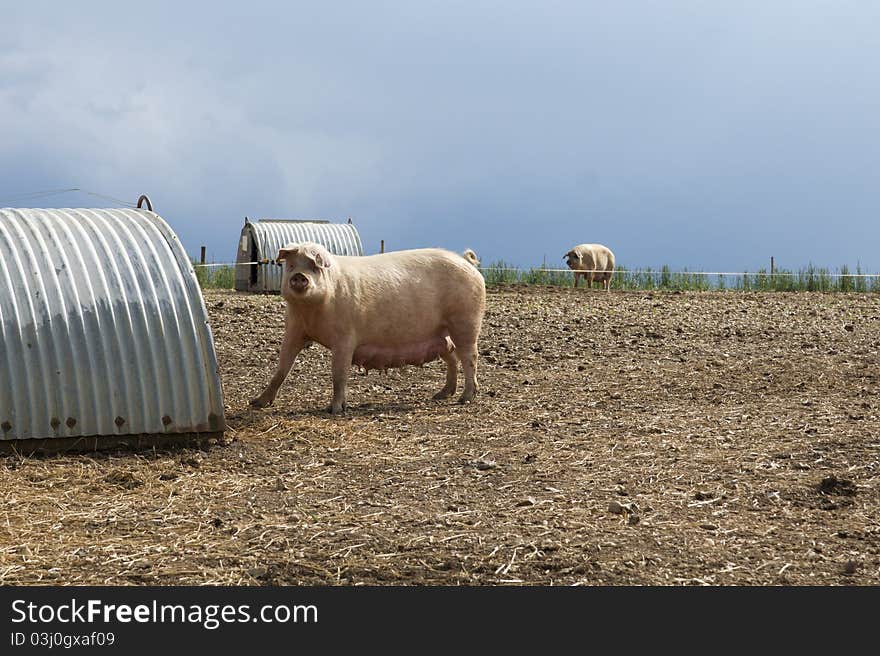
(103, 329)
(261, 240)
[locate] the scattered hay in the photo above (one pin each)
(718, 423)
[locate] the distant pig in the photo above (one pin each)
(471, 257)
(593, 261)
(380, 312)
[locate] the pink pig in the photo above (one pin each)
(380, 312)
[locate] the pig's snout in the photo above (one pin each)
(299, 282)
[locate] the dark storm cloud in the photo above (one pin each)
(693, 134)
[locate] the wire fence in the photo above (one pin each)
(810, 278)
(684, 272)
(33, 196)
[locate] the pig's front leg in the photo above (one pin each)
(342, 355)
(291, 345)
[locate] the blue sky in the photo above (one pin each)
(706, 135)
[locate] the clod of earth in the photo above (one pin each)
(838, 486)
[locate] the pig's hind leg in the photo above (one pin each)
(451, 361)
(465, 339)
(468, 356)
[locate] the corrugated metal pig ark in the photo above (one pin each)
(104, 336)
(261, 240)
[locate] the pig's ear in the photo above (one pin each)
(283, 253)
(322, 259)
(320, 256)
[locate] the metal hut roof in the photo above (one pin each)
(104, 330)
(270, 235)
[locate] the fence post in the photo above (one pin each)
(202, 257)
(772, 266)
(382, 246)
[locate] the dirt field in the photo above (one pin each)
(621, 438)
